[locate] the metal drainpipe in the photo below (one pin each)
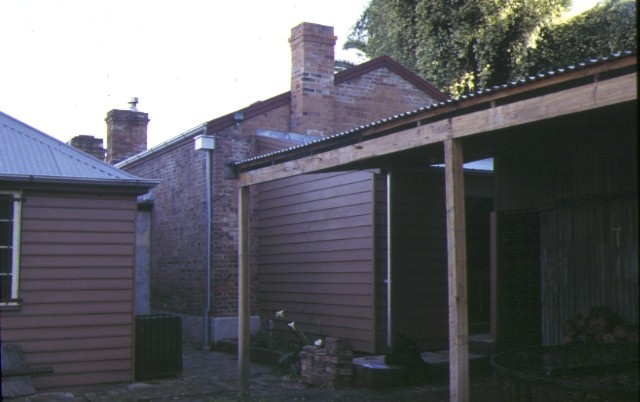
(203, 145)
(389, 271)
(209, 191)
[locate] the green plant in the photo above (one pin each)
(287, 349)
(289, 360)
(266, 339)
(291, 349)
(301, 335)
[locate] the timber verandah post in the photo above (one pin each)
(243, 293)
(457, 272)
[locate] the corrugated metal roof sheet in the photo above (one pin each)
(434, 106)
(29, 154)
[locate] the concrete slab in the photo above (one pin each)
(15, 379)
(373, 373)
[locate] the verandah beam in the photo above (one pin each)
(579, 99)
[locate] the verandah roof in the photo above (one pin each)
(468, 115)
(434, 134)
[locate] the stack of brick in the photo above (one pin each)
(330, 365)
(312, 365)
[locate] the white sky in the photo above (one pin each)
(66, 63)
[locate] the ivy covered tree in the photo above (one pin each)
(608, 27)
(387, 28)
(464, 45)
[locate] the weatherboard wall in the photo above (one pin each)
(323, 255)
(76, 286)
(316, 255)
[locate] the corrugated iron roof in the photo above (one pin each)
(435, 106)
(27, 154)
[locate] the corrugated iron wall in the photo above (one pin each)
(589, 258)
(580, 175)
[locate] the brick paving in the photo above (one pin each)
(212, 377)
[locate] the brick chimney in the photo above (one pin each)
(89, 144)
(312, 62)
(126, 133)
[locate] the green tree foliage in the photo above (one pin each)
(606, 28)
(465, 45)
(386, 28)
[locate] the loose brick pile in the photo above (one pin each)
(329, 365)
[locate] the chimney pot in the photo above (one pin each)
(133, 103)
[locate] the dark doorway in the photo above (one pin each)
(519, 296)
(477, 219)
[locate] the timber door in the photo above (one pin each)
(519, 294)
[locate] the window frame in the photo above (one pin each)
(16, 220)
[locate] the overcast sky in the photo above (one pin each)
(66, 63)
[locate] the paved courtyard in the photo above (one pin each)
(209, 376)
(212, 376)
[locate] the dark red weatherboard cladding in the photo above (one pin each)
(76, 286)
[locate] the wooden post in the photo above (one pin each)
(243, 294)
(457, 273)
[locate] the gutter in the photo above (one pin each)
(132, 159)
(25, 178)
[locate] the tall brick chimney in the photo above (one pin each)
(312, 62)
(126, 133)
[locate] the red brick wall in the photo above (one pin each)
(372, 96)
(178, 239)
(178, 224)
(178, 229)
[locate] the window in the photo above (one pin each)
(10, 209)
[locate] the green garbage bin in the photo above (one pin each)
(157, 346)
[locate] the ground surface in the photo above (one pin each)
(212, 377)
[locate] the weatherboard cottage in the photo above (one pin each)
(67, 251)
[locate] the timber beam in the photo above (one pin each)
(583, 98)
